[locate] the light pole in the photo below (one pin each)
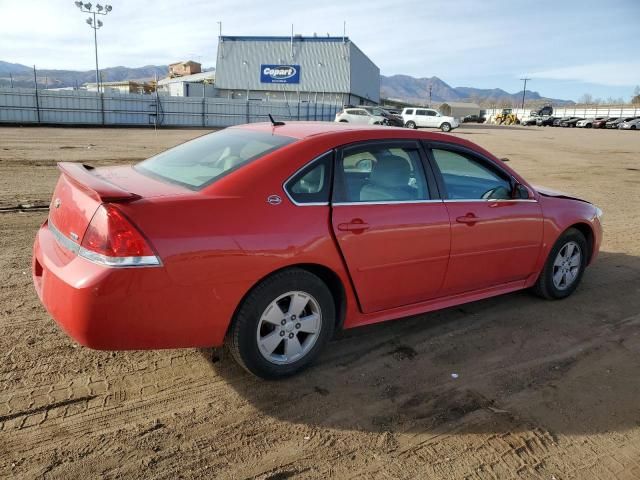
(95, 24)
(524, 91)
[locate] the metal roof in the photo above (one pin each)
(296, 38)
(461, 104)
(196, 77)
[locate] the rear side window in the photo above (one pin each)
(200, 162)
(381, 173)
(312, 184)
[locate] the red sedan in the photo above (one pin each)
(269, 237)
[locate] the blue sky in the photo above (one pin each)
(568, 48)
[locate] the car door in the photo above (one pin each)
(432, 120)
(421, 118)
(389, 223)
(495, 238)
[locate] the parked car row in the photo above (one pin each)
(368, 115)
(623, 123)
(410, 117)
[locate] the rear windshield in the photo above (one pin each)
(197, 163)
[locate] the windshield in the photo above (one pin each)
(200, 162)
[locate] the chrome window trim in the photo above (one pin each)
(99, 259)
(308, 164)
(492, 200)
(387, 202)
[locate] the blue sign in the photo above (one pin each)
(279, 73)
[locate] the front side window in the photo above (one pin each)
(312, 183)
(198, 163)
(381, 173)
(466, 178)
(408, 112)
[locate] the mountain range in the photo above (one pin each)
(399, 87)
(416, 90)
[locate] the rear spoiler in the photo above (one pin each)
(95, 186)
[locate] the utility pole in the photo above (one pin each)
(430, 88)
(524, 91)
(95, 24)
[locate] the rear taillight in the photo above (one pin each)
(112, 240)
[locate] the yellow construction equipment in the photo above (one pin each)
(506, 117)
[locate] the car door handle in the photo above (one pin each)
(356, 225)
(469, 219)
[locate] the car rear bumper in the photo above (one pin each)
(109, 308)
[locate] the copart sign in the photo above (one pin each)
(279, 73)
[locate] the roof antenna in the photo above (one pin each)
(274, 123)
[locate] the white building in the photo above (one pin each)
(296, 68)
(196, 85)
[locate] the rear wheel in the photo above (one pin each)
(343, 121)
(445, 127)
(564, 267)
(410, 124)
(283, 324)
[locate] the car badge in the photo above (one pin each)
(274, 200)
(57, 203)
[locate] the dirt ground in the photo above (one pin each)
(544, 390)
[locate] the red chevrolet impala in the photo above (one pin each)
(269, 237)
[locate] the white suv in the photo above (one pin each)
(359, 115)
(428, 118)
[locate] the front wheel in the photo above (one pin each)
(411, 124)
(445, 127)
(283, 324)
(564, 267)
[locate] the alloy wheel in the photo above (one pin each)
(289, 327)
(566, 266)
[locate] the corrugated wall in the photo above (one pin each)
(326, 66)
(365, 75)
(24, 105)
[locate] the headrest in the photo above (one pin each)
(391, 171)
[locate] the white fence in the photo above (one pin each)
(584, 112)
(76, 107)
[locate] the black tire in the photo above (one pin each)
(242, 340)
(445, 127)
(343, 121)
(545, 286)
(633, 127)
(411, 124)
